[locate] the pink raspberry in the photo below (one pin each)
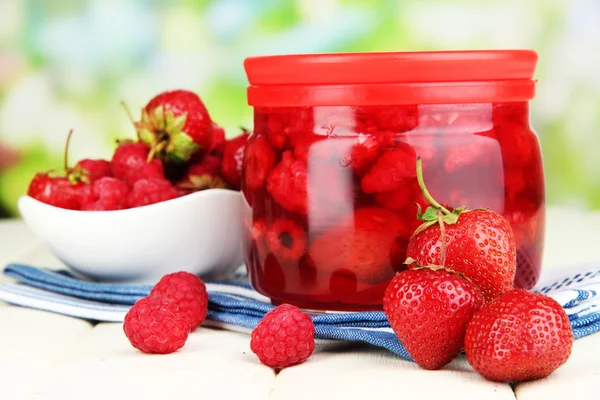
(188, 292)
(105, 194)
(150, 191)
(155, 325)
(285, 336)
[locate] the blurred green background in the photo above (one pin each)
(68, 64)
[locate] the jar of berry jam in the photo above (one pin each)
(329, 176)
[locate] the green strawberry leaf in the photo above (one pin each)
(430, 214)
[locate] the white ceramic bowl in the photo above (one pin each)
(199, 233)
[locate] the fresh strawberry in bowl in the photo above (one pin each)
(176, 125)
(127, 219)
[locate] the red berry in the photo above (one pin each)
(58, 192)
(202, 175)
(218, 140)
(259, 160)
(392, 170)
(365, 152)
(233, 160)
(176, 124)
(284, 337)
(105, 194)
(66, 190)
(287, 183)
(188, 292)
(155, 325)
(94, 169)
(130, 163)
(364, 246)
(476, 243)
(480, 245)
(150, 191)
(429, 311)
(286, 239)
(396, 119)
(402, 199)
(519, 336)
(282, 125)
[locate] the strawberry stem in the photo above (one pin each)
(130, 117)
(66, 153)
(425, 192)
(443, 238)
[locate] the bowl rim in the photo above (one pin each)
(131, 211)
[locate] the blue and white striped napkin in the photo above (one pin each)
(236, 306)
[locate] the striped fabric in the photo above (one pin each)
(236, 306)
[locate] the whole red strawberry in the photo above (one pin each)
(154, 324)
(519, 336)
(202, 175)
(478, 244)
(284, 337)
(132, 162)
(188, 292)
(429, 309)
(106, 194)
(57, 191)
(233, 160)
(64, 189)
(176, 124)
(369, 246)
(150, 191)
(94, 169)
(287, 183)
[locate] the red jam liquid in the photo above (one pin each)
(331, 194)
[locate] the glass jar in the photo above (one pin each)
(329, 176)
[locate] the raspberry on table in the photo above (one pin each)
(188, 292)
(149, 191)
(284, 337)
(154, 324)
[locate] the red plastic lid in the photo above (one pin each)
(391, 78)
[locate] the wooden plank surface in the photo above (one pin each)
(31, 344)
(213, 364)
(71, 360)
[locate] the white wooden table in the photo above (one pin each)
(50, 356)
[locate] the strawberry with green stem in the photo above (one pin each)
(175, 125)
(478, 243)
(64, 189)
